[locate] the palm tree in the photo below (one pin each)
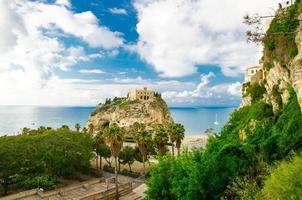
(64, 127)
(136, 127)
(114, 137)
(99, 142)
(91, 128)
(143, 138)
(25, 131)
(84, 130)
(172, 134)
(77, 127)
(161, 138)
(179, 136)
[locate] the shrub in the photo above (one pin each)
(288, 127)
(256, 91)
(54, 153)
(43, 181)
(279, 41)
(285, 181)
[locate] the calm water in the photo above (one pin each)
(14, 118)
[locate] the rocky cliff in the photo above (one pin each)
(281, 62)
(126, 112)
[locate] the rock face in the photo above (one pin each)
(125, 112)
(279, 77)
(296, 68)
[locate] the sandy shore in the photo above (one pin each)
(192, 141)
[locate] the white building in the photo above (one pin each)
(141, 94)
(250, 72)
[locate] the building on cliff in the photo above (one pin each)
(253, 74)
(141, 94)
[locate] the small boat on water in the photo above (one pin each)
(216, 121)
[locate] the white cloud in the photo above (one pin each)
(30, 57)
(10, 26)
(31, 53)
(118, 11)
(187, 33)
(64, 3)
(203, 92)
(91, 71)
(84, 25)
(235, 89)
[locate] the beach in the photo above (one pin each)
(192, 141)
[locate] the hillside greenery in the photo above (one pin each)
(285, 180)
(279, 41)
(124, 103)
(232, 167)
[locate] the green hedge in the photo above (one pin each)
(54, 153)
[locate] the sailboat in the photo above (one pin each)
(216, 121)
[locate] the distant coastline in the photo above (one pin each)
(13, 118)
(203, 107)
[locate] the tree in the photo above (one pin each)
(91, 129)
(127, 156)
(114, 137)
(64, 128)
(84, 130)
(159, 184)
(161, 138)
(176, 134)
(179, 136)
(143, 138)
(77, 127)
(102, 150)
(136, 127)
(25, 131)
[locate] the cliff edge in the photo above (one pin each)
(125, 112)
(281, 64)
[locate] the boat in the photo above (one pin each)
(216, 121)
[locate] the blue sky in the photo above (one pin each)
(62, 52)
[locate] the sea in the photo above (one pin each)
(14, 118)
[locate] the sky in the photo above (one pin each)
(78, 53)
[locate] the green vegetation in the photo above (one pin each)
(43, 157)
(277, 96)
(285, 181)
(279, 41)
(127, 156)
(117, 101)
(255, 91)
(267, 66)
(143, 139)
(159, 102)
(232, 167)
(114, 136)
(161, 138)
(176, 134)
